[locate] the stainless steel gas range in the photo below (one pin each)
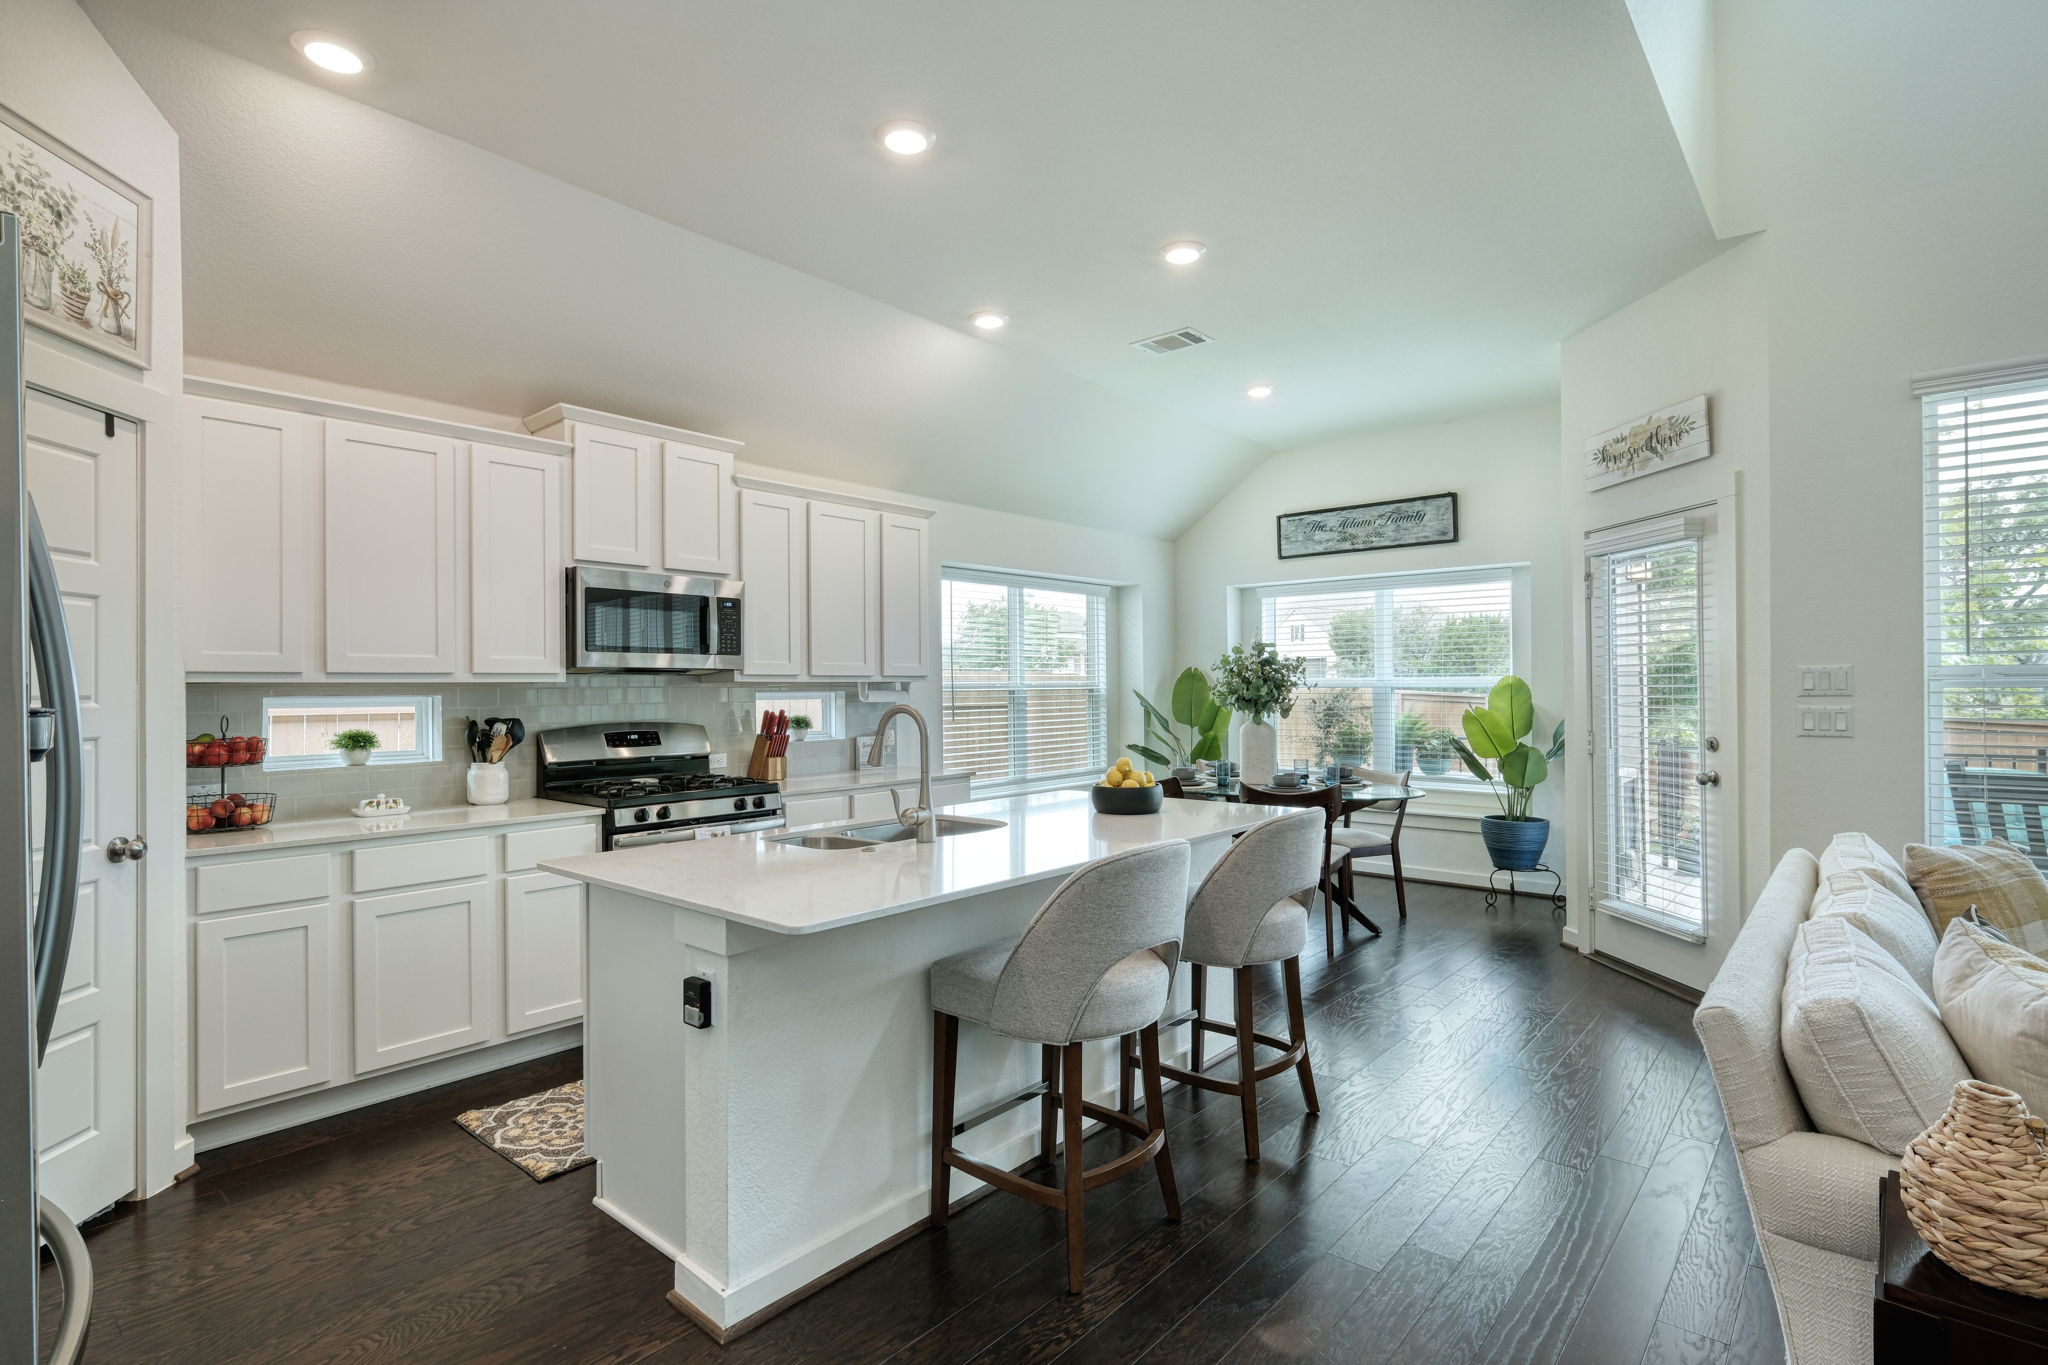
(654, 781)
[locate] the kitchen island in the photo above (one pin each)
(790, 1140)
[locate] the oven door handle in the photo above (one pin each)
(635, 838)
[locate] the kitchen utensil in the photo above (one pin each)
(469, 739)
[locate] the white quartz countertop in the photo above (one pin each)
(821, 784)
(348, 828)
(789, 890)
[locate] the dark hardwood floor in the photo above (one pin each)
(1520, 1159)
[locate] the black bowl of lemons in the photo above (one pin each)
(1125, 790)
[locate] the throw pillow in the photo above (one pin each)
(1997, 878)
(1861, 853)
(1994, 1001)
(1896, 925)
(1975, 918)
(1865, 1046)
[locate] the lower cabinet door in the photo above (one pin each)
(543, 951)
(813, 810)
(422, 973)
(263, 1019)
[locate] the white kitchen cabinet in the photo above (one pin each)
(906, 592)
(423, 968)
(515, 561)
(845, 593)
(248, 524)
(815, 810)
(772, 564)
(699, 517)
(390, 518)
(543, 937)
(874, 803)
(612, 499)
(263, 1016)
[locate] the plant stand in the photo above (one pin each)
(1555, 894)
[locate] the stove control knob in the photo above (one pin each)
(640, 815)
(739, 803)
(661, 814)
(760, 802)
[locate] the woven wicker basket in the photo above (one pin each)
(1975, 1186)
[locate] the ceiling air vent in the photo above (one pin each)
(1172, 341)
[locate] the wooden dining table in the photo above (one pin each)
(1358, 796)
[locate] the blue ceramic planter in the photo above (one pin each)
(1515, 845)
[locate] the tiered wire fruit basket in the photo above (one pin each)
(213, 808)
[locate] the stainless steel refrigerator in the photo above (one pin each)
(39, 741)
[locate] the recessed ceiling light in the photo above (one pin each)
(906, 137)
(1259, 391)
(988, 320)
(1182, 253)
(329, 52)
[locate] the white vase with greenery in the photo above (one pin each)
(1256, 682)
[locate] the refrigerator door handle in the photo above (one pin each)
(57, 681)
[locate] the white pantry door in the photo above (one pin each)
(83, 480)
(1661, 627)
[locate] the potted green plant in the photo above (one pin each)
(1410, 730)
(800, 726)
(355, 745)
(1256, 681)
(1436, 751)
(1193, 731)
(1352, 747)
(1327, 712)
(1498, 733)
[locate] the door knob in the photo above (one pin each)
(1707, 779)
(126, 850)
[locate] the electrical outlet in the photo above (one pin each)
(718, 762)
(1827, 680)
(1827, 722)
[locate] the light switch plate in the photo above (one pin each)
(1827, 722)
(1827, 680)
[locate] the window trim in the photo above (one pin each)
(1100, 670)
(426, 726)
(834, 701)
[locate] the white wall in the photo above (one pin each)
(58, 73)
(1503, 467)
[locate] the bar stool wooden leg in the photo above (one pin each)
(1297, 1031)
(1070, 1101)
(1198, 996)
(1126, 1088)
(1247, 1065)
(945, 1057)
(1049, 1104)
(1155, 1119)
(1330, 920)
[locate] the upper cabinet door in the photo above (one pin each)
(247, 473)
(391, 536)
(612, 498)
(515, 561)
(846, 589)
(699, 516)
(772, 535)
(906, 597)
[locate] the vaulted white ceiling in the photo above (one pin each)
(687, 218)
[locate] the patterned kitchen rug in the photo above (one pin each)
(541, 1134)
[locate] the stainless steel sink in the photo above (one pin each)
(871, 836)
(942, 827)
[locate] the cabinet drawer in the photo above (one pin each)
(876, 805)
(437, 860)
(814, 810)
(241, 885)
(527, 848)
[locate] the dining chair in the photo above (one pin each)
(1169, 787)
(1330, 800)
(1353, 844)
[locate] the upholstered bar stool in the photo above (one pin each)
(1096, 962)
(1248, 912)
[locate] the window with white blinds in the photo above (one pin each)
(1026, 672)
(1987, 612)
(1393, 661)
(1650, 630)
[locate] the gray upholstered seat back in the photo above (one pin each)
(1738, 1019)
(1110, 910)
(1266, 864)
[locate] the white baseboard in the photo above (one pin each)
(321, 1104)
(1570, 938)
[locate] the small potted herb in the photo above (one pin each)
(800, 726)
(355, 746)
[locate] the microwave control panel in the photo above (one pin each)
(728, 626)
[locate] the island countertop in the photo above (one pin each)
(750, 879)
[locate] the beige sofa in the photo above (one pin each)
(1814, 1196)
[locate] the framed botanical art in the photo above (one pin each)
(85, 243)
(1431, 520)
(1669, 436)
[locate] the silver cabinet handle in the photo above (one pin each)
(1707, 779)
(128, 850)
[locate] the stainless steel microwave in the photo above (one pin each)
(622, 622)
